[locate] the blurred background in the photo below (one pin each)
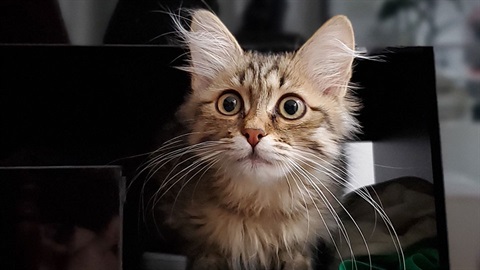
(452, 27)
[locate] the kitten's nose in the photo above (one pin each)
(253, 135)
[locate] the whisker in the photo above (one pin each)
(292, 200)
(185, 172)
(170, 177)
(295, 169)
(364, 194)
(332, 210)
(324, 200)
(207, 165)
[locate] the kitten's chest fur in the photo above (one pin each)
(253, 226)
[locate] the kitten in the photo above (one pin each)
(254, 177)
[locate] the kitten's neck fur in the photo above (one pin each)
(272, 197)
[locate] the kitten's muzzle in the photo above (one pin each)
(253, 135)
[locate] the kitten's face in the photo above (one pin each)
(259, 116)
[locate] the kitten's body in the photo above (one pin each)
(257, 187)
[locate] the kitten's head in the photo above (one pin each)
(258, 116)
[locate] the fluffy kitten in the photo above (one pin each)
(254, 178)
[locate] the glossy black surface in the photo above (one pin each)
(42, 209)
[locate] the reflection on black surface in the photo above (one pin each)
(60, 218)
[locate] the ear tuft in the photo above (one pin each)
(328, 55)
(212, 47)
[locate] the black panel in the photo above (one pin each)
(63, 105)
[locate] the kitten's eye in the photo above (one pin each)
(229, 103)
(291, 107)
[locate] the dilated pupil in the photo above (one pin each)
(229, 103)
(290, 106)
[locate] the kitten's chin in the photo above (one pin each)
(254, 161)
(257, 169)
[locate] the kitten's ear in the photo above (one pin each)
(212, 48)
(328, 55)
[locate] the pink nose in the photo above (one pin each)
(253, 135)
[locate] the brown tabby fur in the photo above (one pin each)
(262, 207)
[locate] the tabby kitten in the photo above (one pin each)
(254, 179)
